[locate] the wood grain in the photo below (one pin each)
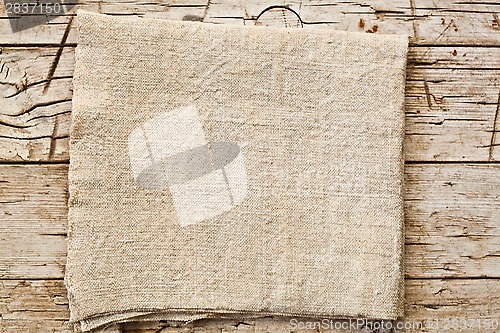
(451, 102)
(452, 221)
(427, 22)
(42, 306)
(452, 114)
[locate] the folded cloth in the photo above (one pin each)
(221, 171)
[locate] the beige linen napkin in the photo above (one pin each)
(219, 171)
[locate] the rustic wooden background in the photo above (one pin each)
(452, 202)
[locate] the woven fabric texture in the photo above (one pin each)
(222, 171)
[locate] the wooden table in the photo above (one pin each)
(452, 201)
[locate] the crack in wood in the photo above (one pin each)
(241, 323)
(444, 30)
(12, 201)
(488, 146)
(7, 70)
(494, 131)
(52, 146)
(57, 57)
(489, 255)
(427, 95)
(205, 12)
(25, 87)
(48, 115)
(30, 109)
(3, 123)
(33, 138)
(56, 234)
(35, 162)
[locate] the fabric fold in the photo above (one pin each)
(221, 171)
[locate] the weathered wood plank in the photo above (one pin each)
(42, 306)
(33, 306)
(452, 211)
(452, 221)
(426, 22)
(33, 215)
(451, 101)
(446, 22)
(35, 111)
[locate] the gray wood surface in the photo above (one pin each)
(452, 194)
